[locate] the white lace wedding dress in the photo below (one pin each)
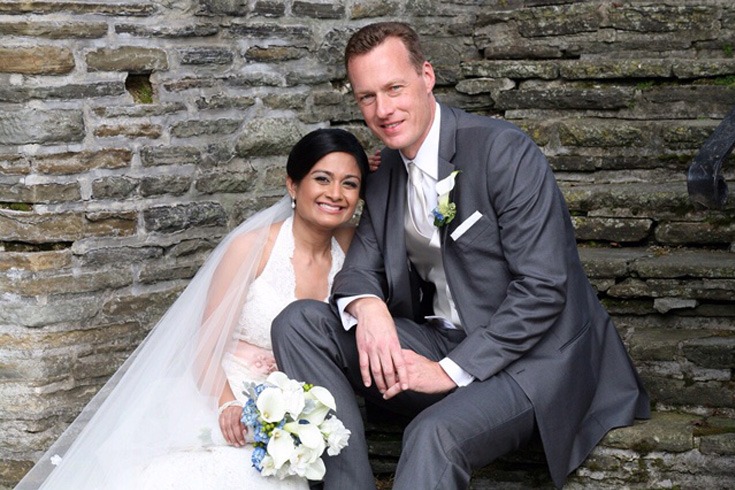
(217, 465)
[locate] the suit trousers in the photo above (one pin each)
(449, 435)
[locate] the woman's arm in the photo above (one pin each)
(229, 418)
(220, 291)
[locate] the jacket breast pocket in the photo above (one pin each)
(474, 227)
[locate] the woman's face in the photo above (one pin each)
(329, 192)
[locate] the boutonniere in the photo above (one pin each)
(445, 211)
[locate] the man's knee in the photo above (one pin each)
(429, 428)
(298, 319)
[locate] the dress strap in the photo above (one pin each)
(278, 269)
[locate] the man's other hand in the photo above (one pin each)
(381, 357)
(424, 376)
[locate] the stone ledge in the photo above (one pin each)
(671, 450)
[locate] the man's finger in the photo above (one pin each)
(399, 364)
(389, 370)
(376, 367)
(365, 368)
(392, 391)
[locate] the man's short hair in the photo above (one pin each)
(372, 35)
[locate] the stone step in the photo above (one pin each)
(675, 309)
(651, 273)
(647, 213)
(671, 450)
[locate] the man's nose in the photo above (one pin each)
(384, 105)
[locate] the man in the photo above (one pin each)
(482, 323)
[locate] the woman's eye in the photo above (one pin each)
(351, 184)
(321, 179)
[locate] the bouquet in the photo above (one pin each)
(292, 424)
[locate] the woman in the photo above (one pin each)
(169, 418)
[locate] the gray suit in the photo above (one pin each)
(530, 317)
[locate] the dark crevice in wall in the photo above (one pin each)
(34, 247)
(16, 206)
(140, 87)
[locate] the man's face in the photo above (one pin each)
(396, 102)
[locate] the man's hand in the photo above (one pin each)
(377, 344)
(424, 376)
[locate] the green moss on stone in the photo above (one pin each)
(17, 206)
(728, 81)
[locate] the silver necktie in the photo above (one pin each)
(417, 204)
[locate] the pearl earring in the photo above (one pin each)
(293, 203)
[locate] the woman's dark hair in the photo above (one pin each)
(319, 143)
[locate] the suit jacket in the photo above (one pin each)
(516, 280)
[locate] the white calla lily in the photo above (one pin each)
(309, 435)
(272, 404)
(294, 423)
(302, 460)
(277, 378)
(315, 412)
(446, 185)
(280, 447)
(316, 470)
(268, 465)
(323, 396)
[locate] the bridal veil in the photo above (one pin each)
(164, 397)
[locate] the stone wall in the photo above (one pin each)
(134, 134)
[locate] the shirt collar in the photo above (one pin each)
(427, 158)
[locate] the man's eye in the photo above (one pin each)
(367, 99)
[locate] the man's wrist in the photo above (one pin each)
(363, 305)
(455, 372)
(343, 304)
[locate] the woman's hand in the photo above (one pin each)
(374, 161)
(232, 429)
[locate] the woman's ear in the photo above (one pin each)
(291, 186)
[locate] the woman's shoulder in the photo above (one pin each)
(246, 243)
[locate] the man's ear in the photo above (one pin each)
(427, 72)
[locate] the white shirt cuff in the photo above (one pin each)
(456, 373)
(349, 321)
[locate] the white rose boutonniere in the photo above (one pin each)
(445, 211)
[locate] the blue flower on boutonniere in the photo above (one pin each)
(445, 210)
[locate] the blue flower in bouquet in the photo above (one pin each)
(259, 453)
(249, 413)
(292, 424)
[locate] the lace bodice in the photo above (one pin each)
(275, 288)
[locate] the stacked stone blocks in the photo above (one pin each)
(133, 135)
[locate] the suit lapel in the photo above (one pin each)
(387, 210)
(447, 149)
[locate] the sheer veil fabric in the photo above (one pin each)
(164, 398)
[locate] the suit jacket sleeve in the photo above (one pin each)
(515, 271)
(363, 271)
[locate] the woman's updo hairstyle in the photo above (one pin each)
(319, 143)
